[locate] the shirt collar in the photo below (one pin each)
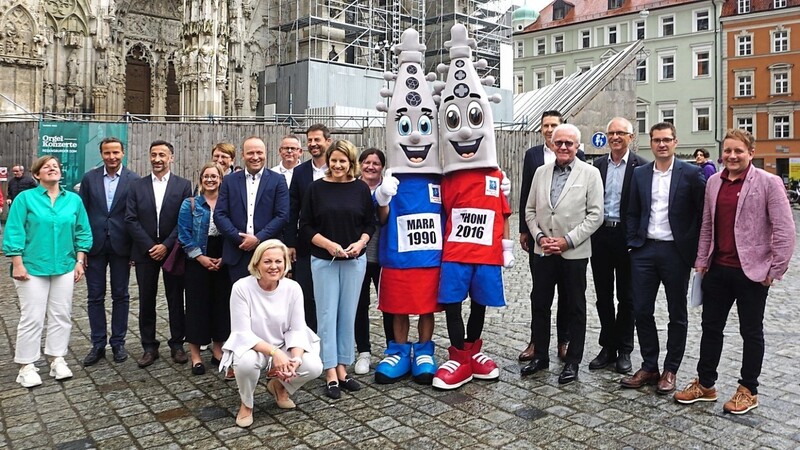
(671, 165)
(164, 179)
(724, 174)
(624, 160)
(116, 174)
(254, 176)
(569, 166)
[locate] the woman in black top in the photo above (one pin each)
(338, 219)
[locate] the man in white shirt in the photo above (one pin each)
(290, 152)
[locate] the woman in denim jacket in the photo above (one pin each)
(208, 287)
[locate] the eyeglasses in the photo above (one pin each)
(618, 133)
(210, 177)
(290, 149)
(568, 144)
(659, 141)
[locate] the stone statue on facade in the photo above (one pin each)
(72, 69)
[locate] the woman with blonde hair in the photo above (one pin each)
(269, 331)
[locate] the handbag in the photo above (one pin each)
(175, 264)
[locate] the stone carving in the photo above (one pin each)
(72, 69)
(238, 92)
(101, 72)
(253, 91)
(60, 8)
(61, 99)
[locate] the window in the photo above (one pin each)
(585, 38)
(540, 46)
(701, 20)
(519, 83)
(559, 10)
(780, 41)
(558, 74)
(667, 114)
(744, 6)
(745, 45)
(780, 127)
(744, 85)
(641, 71)
(702, 62)
(780, 82)
(611, 36)
(641, 119)
(538, 79)
(779, 4)
(745, 123)
(520, 48)
(582, 68)
(614, 4)
(639, 29)
(667, 69)
(667, 25)
(558, 43)
(702, 117)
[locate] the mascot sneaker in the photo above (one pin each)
(396, 364)
(424, 366)
(483, 367)
(454, 373)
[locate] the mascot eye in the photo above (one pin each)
(424, 126)
(452, 118)
(404, 126)
(475, 115)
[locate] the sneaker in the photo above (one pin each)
(362, 363)
(483, 367)
(743, 400)
(59, 369)
(695, 392)
(423, 368)
(455, 372)
(396, 365)
(29, 376)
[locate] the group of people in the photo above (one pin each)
(641, 225)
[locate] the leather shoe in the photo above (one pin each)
(120, 354)
(527, 354)
(535, 365)
(179, 356)
(639, 379)
(624, 363)
(95, 355)
(602, 360)
(562, 350)
(148, 358)
(568, 374)
(666, 383)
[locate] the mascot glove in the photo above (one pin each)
(505, 185)
(387, 189)
(508, 253)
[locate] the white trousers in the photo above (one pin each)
(252, 364)
(49, 296)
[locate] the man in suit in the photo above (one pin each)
(564, 208)
(536, 157)
(746, 242)
(152, 222)
(319, 139)
(290, 152)
(253, 206)
(662, 226)
(104, 191)
(610, 250)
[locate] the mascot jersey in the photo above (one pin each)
(476, 210)
(412, 236)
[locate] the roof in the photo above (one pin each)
(590, 10)
(731, 9)
(573, 93)
(525, 12)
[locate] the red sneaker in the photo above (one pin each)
(483, 367)
(455, 372)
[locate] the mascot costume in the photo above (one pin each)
(410, 207)
(476, 210)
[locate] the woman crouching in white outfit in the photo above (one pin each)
(268, 329)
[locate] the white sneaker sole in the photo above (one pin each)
(743, 411)
(439, 384)
(59, 378)
(22, 382)
(701, 399)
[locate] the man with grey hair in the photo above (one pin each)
(290, 152)
(610, 258)
(564, 208)
(20, 181)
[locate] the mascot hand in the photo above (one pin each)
(508, 253)
(505, 185)
(387, 189)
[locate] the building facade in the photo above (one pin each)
(762, 50)
(677, 70)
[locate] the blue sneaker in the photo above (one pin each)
(396, 365)
(424, 367)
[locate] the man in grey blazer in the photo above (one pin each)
(564, 208)
(104, 191)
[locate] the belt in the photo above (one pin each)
(612, 223)
(657, 240)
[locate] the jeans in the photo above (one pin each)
(120, 298)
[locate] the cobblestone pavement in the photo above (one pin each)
(163, 406)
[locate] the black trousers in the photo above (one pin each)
(302, 274)
(147, 279)
(722, 286)
(655, 263)
(562, 316)
(208, 299)
(371, 277)
(571, 275)
(611, 262)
